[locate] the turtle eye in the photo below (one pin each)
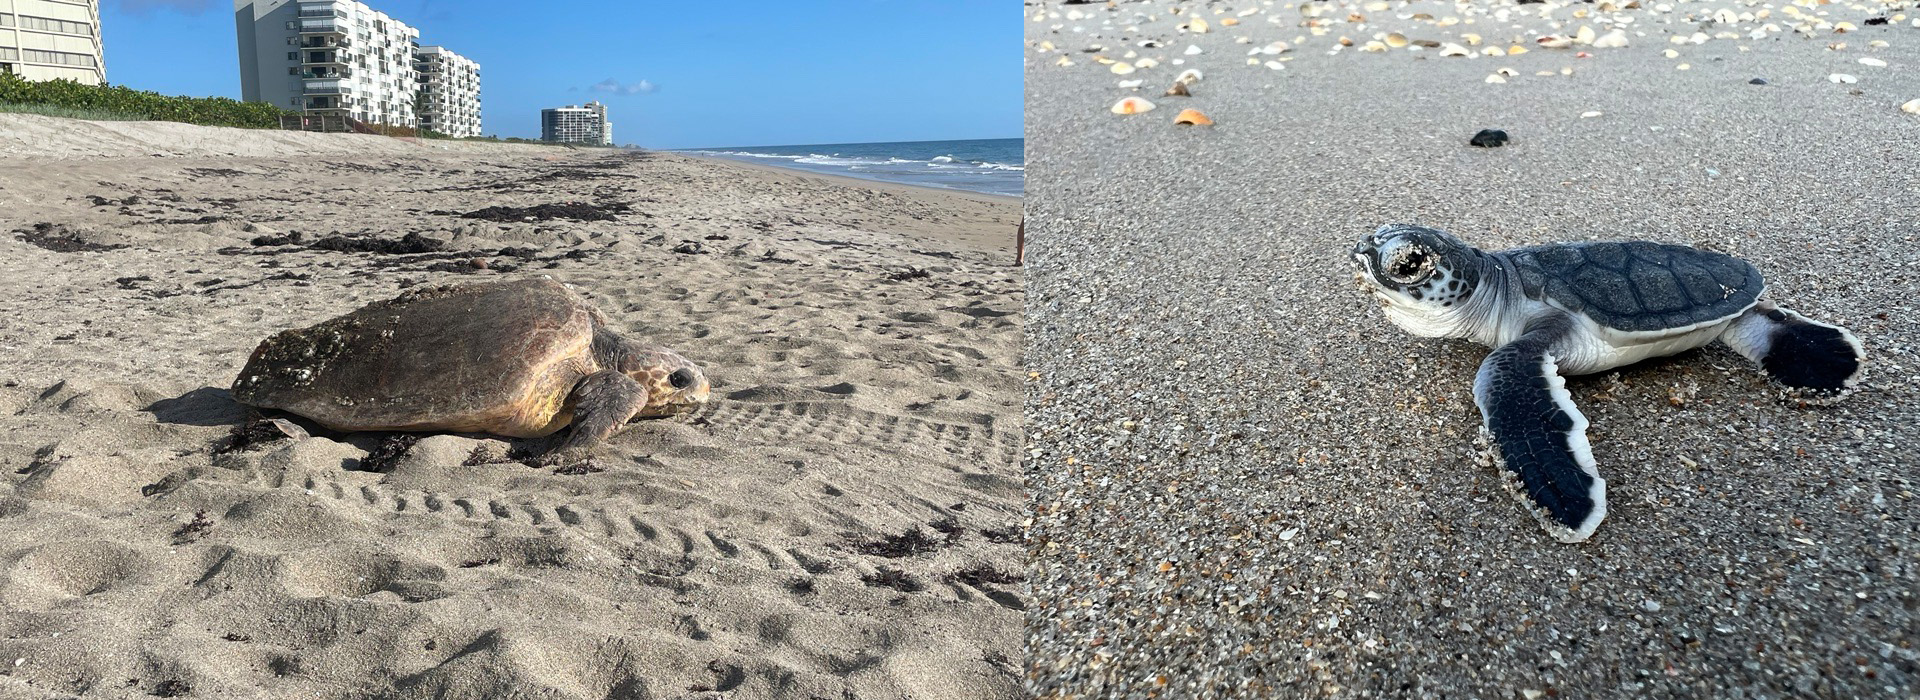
(1409, 265)
(681, 378)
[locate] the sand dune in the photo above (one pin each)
(863, 340)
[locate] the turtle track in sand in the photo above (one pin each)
(838, 423)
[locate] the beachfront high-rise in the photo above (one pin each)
(51, 40)
(336, 57)
(449, 92)
(577, 124)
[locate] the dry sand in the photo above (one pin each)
(1248, 483)
(863, 339)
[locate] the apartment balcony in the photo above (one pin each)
(327, 74)
(328, 11)
(323, 58)
(326, 88)
(325, 42)
(323, 26)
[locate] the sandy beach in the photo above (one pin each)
(842, 522)
(1248, 483)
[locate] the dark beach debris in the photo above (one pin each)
(388, 453)
(171, 688)
(906, 544)
(131, 282)
(260, 431)
(476, 563)
(61, 238)
(236, 637)
(208, 219)
(1757, 81)
(911, 273)
(1875, 20)
(889, 577)
(410, 244)
(580, 469)
(577, 211)
(949, 527)
(479, 456)
(690, 248)
(800, 585)
(982, 574)
(194, 530)
(1005, 535)
(1489, 138)
(214, 172)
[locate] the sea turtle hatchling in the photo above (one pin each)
(520, 358)
(1579, 308)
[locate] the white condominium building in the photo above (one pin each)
(52, 39)
(449, 92)
(577, 124)
(336, 57)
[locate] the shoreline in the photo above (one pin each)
(846, 177)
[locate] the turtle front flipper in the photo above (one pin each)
(1536, 436)
(1804, 355)
(602, 403)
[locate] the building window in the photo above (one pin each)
(293, 55)
(59, 58)
(55, 25)
(6, 20)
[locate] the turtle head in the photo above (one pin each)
(1422, 276)
(674, 384)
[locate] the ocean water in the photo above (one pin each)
(993, 166)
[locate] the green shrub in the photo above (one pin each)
(136, 104)
(70, 112)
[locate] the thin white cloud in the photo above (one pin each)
(615, 87)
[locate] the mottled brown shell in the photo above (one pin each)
(498, 357)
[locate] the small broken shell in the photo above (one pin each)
(1877, 63)
(1178, 90)
(1454, 50)
(1121, 68)
(1192, 117)
(1197, 26)
(1496, 78)
(1911, 107)
(1842, 78)
(1190, 75)
(1554, 41)
(1132, 105)
(1397, 40)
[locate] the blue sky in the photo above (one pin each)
(673, 75)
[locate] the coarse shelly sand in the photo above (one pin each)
(864, 350)
(1247, 483)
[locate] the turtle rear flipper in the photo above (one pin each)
(603, 402)
(1536, 436)
(1800, 353)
